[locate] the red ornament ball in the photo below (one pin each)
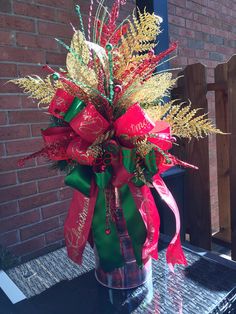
(108, 231)
(118, 88)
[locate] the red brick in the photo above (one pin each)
(37, 11)
(27, 116)
(36, 128)
(209, 12)
(9, 101)
(20, 220)
(18, 191)
(208, 29)
(6, 37)
(201, 18)
(184, 51)
(210, 46)
(186, 33)
(14, 132)
(68, 4)
(55, 29)
(17, 23)
(66, 193)
(24, 146)
(173, 19)
(22, 55)
(8, 70)
(7, 179)
(2, 150)
(36, 41)
(193, 25)
(8, 209)
(187, 14)
(10, 163)
(51, 183)
(8, 87)
(28, 246)
(67, 17)
(3, 117)
(35, 173)
(193, 6)
(62, 219)
(25, 69)
(9, 238)
(37, 200)
(29, 103)
(5, 6)
(171, 8)
(202, 54)
(179, 3)
(54, 236)
(55, 209)
(38, 228)
(55, 58)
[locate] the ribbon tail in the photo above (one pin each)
(146, 205)
(78, 223)
(174, 254)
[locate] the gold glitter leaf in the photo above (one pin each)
(140, 38)
(183, 120)
(37, 88)
(77, 61)
(150, 91)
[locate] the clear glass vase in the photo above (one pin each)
(130, 275)
(127, 277)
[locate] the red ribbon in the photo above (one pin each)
(78, 223)
(174, 254)
(89, 124)
(146, 205)
(60, 103)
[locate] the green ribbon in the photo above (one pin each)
(129, 159)
(150, 161)
(80, 178)
(108, 246)
(102, 179)
(76, 107)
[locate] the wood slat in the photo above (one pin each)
(198, 182)
(232, 147)
(222, 145)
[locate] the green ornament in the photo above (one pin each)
(109, 47)
(56, 76)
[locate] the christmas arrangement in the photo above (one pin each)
(111, 132)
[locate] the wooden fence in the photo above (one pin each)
(194, 86)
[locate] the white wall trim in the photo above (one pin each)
(10, 288)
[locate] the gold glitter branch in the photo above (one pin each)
(42, 90)
(77, 61)
(183, 120)
(140, 38)
(148, 92)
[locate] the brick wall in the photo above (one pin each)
(206, 31)
(34, 200)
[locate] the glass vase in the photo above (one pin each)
(130, 275)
